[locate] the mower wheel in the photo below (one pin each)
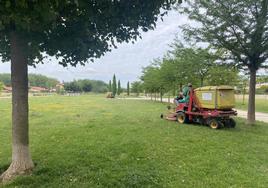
(214, 124)
(182, 118)
(232, 123)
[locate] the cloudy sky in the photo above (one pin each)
(126, 61)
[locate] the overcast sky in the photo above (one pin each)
(126, 61)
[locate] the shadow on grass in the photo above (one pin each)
(3, 168)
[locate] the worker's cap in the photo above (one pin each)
(189, 85)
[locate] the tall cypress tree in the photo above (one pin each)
(118, 88)
(114, 87)
(110, 86)
(128, 89)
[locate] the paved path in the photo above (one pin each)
(259, 115)
(240, 113)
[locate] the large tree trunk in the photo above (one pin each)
(251, 97)
(21, 159)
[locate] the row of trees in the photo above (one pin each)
(33, 80)
(86, 85)
(137, 87)
(262, 79)
(115, 87)
(184, 65)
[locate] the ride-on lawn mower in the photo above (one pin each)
(212, 106)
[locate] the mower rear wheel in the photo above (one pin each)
(182, 118)
(214, 124)
(232, 123)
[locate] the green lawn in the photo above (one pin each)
(90, 141)
(261, 105)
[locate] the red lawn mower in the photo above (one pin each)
(212, 106)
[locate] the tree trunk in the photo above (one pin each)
(174, 90)
(180, 87)
(21, 159)
(251, 97)
(202, 81)
(244, 93)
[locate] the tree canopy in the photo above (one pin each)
(1, 86)
(136, 87)
(241, 27)
(75, 30)
(184, 65)
(86, 85)
(34, 80)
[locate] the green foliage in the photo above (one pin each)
(76, 30)
(136, 87)
(95, 86)
(86, 141)
(222, 75)
(242, 84)
(74, 86)
(128, 89)
(192, 64)
(1, 86)
(60, 91)
(42, 81)
(262, 79)
(262, 90)
(110, 86)
(99, 86)
(240, 27)
(151, 79)
(114, 86)
(5, 78)
(119, 89)
(86, 85)
(37, 80)
(186, 65)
